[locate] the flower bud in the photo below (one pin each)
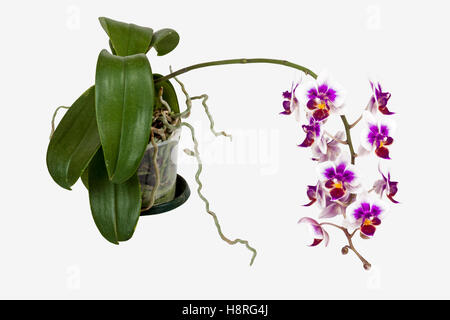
(344, 250)
(363, 236)
(367, 266)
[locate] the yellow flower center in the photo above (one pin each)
(367, 222)
(381, 144)
(338, 185)
(322, 105)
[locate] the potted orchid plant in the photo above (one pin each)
(120, 137)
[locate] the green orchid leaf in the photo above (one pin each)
(164, 41)
(115, 206)
(169, 94)
(124, 100)
(74, 142)
(126, 38)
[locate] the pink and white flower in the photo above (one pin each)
(331, 208)
(377, 135)
(314, 194)
(386, 185)
(339, 178)
(328, 208)
(323, 97)
(379, 100)
(314, 135)
(332, 151)
(366, 214)
(318, 232)
(290, 102)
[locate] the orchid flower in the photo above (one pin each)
(339, 178)
(366, 214)
(377, 135)
(314, 193)
(290, 102)
(328, 207)
(379, 100)
(319, 233)
(323, 97)
(385, 184)
(332, 151)
(331, 208)
(314, 136)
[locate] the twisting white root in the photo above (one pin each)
(157, 177)
(195, 153)
(204, 98)
(54, 117)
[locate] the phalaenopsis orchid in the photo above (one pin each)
(339, 190)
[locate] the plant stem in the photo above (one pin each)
(262, 60)
(237, 61)
(334, 138)
(349, 236)
(349, 138)
(356, 121)
(366, 263)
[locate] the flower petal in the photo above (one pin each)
(331, 211)
(318, 232)
(385, 111)
(320, 114)
(390, 197)
(322, 144)
(390, 124)
(365, 142)
(382, 152)
(325, 170)
(362, 151)
(368, 230)
(337, 193)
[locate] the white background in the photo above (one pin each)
(49, 245)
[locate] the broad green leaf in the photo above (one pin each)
(169, 94)
(164, 41)
(126, 38)
(115, 206)
(124, 99)
(74, 142)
